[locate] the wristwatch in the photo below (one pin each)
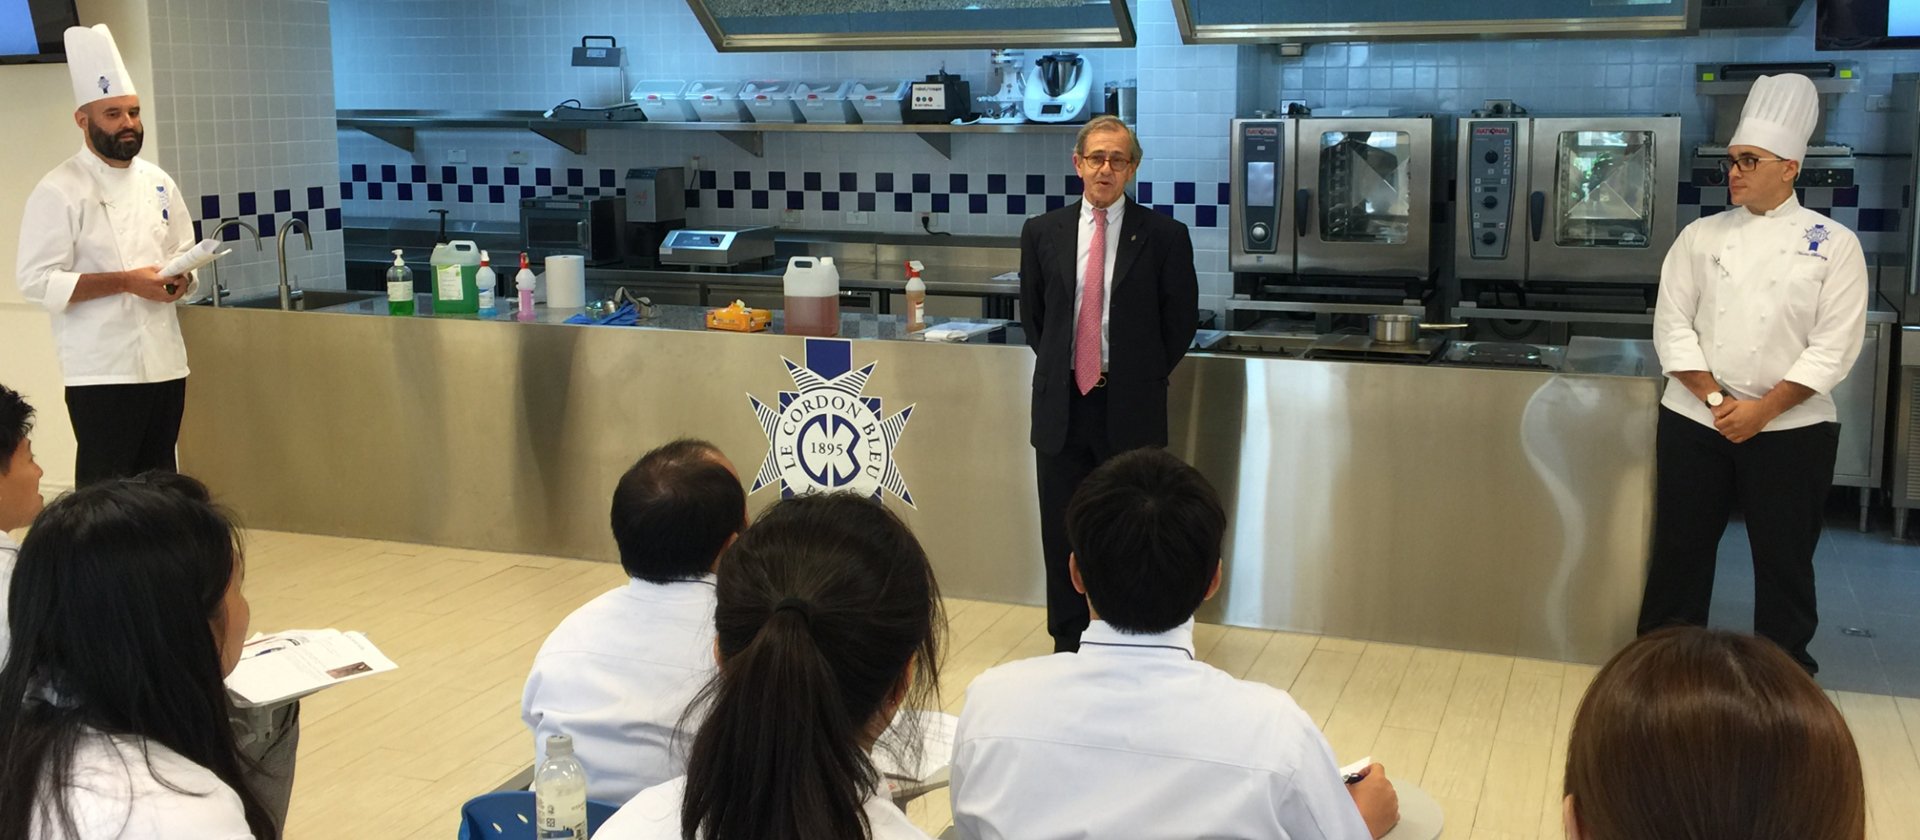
(1715, 398)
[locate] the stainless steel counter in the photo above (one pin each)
(1478, 509)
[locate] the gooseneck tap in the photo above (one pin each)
(220, 291)
(288, 293)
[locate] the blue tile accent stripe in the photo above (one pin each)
(267, 210)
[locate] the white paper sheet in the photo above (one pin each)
(295, 663)
(936, 745)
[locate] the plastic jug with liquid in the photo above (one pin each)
(456, 269)
(812, 297)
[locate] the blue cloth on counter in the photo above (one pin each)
(626, 316)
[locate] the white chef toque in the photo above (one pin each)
(1779, 115)
(93, 60)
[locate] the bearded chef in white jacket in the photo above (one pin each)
(95, 233)
(1762, 311)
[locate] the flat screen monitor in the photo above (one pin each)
(32, 31)
(1867, 25)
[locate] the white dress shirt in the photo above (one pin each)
(8, 551)
(86, 217)
(1083, 248)
(1132, 737)
(1756, 299)
(112, 794)
(655, 815)
(616, 675)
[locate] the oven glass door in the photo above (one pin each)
(1365, 203)
(1365, 186)
(1603, 199)
(1604, 189)
(567, 231)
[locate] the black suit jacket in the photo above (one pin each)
(1153, 311)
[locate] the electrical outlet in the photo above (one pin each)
(790, 217)
(857, 217)
(519, 157)
(928, 220)
(456, 155)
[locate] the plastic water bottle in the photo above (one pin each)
(560, 793)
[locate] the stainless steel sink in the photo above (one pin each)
(308, 299)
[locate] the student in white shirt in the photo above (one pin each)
(1132, 736)
(828, 621)
(1694, 734)
(618, 674)
(113, 710)
(20, 497)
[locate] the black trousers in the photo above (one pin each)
(1060, 474)
(1780, 480)
(124, 430)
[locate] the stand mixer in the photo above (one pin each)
(1004, 106)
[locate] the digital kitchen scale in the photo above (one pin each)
(717, 246)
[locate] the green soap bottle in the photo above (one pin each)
(399, 286)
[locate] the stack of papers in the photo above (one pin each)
(295, 663)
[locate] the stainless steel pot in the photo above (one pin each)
(1404, 329)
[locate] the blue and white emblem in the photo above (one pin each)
(160, 194)
(828, 436)
(105, 85)
(1816, 235)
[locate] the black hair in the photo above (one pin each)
(674, 510)
(16, 420)
(823, 606)
(1146, 531)
(109, 613)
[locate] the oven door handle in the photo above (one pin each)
(1536, 213)
(1302, 202)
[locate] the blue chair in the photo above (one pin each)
(508, 815)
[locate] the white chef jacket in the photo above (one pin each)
(86, 217)
(1133, 737)
(112, 795)
(655, 815)
(8, 551)
(1083, 250)
(1757, 299)
(616, 675)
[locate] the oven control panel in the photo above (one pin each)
(1261, 164)
(1490, 188)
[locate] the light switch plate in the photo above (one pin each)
(519, 157)
(456, 155)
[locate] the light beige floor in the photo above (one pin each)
(395, 755)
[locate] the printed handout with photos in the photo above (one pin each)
(278, 667)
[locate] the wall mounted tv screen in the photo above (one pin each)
(31, 31)
(1867, 25)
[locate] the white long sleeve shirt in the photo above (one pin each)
(86, 217)
(616, 676)
(1083, 252)
(8, 551)
(1760, 298)
(1132, 737)
(655, 815)
(113, 795)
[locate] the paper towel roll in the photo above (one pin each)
(566, 281)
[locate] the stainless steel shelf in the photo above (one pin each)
(399, 127)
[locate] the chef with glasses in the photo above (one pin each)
(1761, 312)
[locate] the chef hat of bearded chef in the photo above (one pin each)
(93, 60)
(1779, 115)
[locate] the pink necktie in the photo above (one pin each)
(1093, 294)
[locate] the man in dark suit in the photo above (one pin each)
(1110, 303)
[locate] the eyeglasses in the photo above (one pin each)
(1745, 163)
(1118, 162)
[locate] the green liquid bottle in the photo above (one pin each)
(399, 287)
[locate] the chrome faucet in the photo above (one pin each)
(220, 291)
(289, 294)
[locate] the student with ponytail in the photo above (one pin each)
(126, 615)
(828, 621)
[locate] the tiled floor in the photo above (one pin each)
(1865, 581)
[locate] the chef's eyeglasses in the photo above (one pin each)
(1745, 163)
(1118, 162)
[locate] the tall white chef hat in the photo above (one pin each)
(1779, 115)
(93, 60)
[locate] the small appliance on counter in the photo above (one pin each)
(590, 227)
(1510, 355)
(1003, 106)
(656, 206)
(940, 99)
(1059, 86)
(718, 247)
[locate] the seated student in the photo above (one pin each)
(828, 621)
(19, 489)
(617, 674)
(1696, 734)
(126, 613)
(1133, 737)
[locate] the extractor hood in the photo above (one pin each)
(1300, 21)
(810, 25)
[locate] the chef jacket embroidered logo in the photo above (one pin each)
(105, 85)
(1816, 235)
(829, 436)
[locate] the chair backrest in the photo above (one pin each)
(508, 815)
